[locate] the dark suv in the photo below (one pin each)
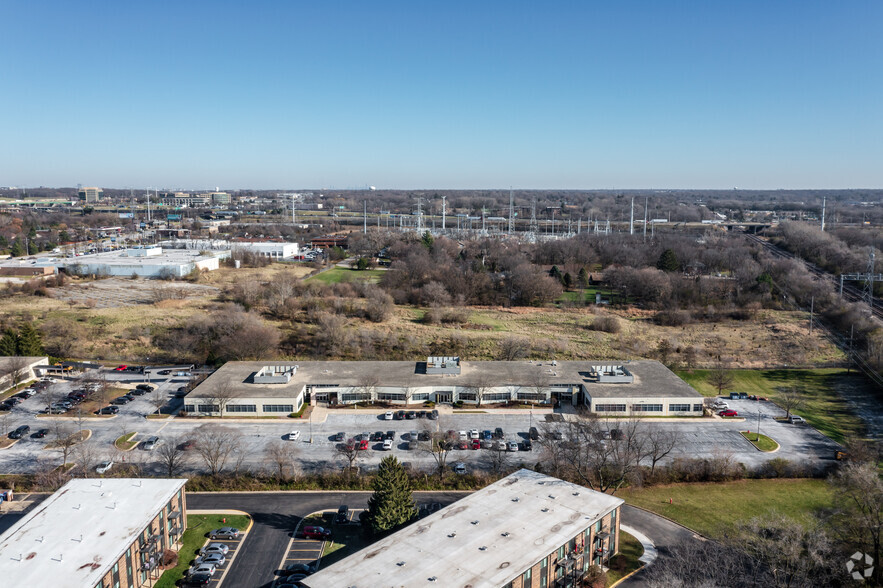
(19, 432)
(343, 514)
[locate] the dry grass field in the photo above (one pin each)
(78, 328)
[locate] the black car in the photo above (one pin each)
(164, 372)
(137, 392)
(123, 399)
(433, 416)
(411, 415)
(525, 445)
(533, 434)
(343, 515)
(298, 568)
(145, 387)
(400, 415)
(422, 414)
(423, 436)
(109, 410)
(390, 435)
(498, 433)
(377, 436)
(19, 432)
(13, 401)
(199, 580)
(340, 436)
(40, 433)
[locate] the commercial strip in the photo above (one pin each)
(101, 533)
(640, 388)
(527, 530)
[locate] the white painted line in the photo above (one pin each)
(650, 552)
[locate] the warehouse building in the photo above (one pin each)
(101, 533)
(145, 262)
(271, 249)
(527, 530)
(633, 388)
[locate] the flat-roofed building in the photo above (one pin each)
(90, 194)
(527, 530)
(271, 249)
(637, 387)
(148, 262)
(26, 368)
(96, 533)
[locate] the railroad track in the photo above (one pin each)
(850, 292)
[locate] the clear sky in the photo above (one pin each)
(421, 94)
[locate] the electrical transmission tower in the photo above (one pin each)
(511, 212)
(534, 227)
(868, 278)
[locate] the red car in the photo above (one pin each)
(363, 444)
(120, 368)
(476, 444)
(320, 533)
(728, 413)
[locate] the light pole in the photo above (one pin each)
(311, 424)
(758, 422)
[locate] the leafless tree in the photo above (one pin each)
(790, 398)
(858, 520)
(16, 369)
(720, 379)
(499, 460)
(86, 456)
(367, 385)
(172, 456)
(5, 420)
(438, 447)
(350, 453)
(552, 451)
(514, 348)
(221, 396)
(480, 387)
(603, 465)
(730, 568)
(65, 440)
(215, 444)
(660, 442)
(158, 400)
(283, 456)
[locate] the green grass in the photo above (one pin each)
(125, 442)
(630, 549)
(714, 508)
(346, 540)
(194, 538)
(822, 407)
(342, 274)
(761, 441)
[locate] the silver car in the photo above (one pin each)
(214, 548)
(215, 559)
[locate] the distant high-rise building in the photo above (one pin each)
(220, 198)
(90, 194)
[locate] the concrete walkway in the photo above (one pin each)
(650, 552)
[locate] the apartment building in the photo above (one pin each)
(528, 530)
(96, 533)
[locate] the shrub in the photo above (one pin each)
(606, 324)
(674, 318)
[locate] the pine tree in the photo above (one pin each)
(583, 277)
(668, 261)
(8, 343)
(567, 280)
(17, 249)
(29, 341)
(392, 504)
(555, 273)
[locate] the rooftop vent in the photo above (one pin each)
(544, 510)
(505, 533)
(400, 564)
(482, 548)
(452, 534)
(611, 374)
(474, 522)
(275, 374)
(443, 364)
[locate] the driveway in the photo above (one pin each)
(662, 532)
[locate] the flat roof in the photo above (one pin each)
(121, 257)
(651, 378)
(483, 540)
(75, 536)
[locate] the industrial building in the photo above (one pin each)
(527, 530)
(146, 262)
(641, 388)
(273, 250)
(90, 195)
(101, 533)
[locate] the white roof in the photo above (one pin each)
(483, 540)
(86, 522)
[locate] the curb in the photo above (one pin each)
(131, 440)
(778, 445)
(627, 576)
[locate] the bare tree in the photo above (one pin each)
(86, 455)
(349, 452)
(172, 456)
(720, 379)
(514, 348)
(283, 456)
(16, 369)
(221, 396)
(499, 460)
(438, 447)
(603, 465)
(790, 398)
(367, 385)
(479, 388)
(5, 420)
(858, 520)
(660, 442)
(158, 400)
(215, 444)
(65, 440)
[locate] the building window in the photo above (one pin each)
(390, 396)
(206, 408)
(420, 396)
(530, 396)
(466, 396)
(697, 408)
(497, 397)
(241, 408)
(610, 408)
(647, 407)
(561, 553)
(678, 408)
(526, 581)
(278, 408)
(355, 397)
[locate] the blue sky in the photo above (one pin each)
(335, 94)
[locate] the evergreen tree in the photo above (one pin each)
(8, 343)
(556, 273)
(17, 249)
(567, 280)
(29, 341)
(392, 504)
(668, 261)
(427, 240)
(3, 242)
(64, 237)
(583, 277)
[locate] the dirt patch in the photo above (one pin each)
(116, 292)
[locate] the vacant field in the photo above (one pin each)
(822, 406)
(714, 509)
(342, 274)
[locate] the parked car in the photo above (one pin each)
(293, 436)
(463, 445)
(422, 414)
(533, 434)
(512, 446)
(498, 433)
(207, 569)
(145, 387)
(137, 392)
(182, 374)
(340, 436)
(343, 514)
(473, 433)
(387, 444)
(487, 434)
(459, 468)
(411, 415)
(224, 533)
(388, 416)
(462, 435)
(400, 415)
(728, 413)
(526, 445)
(423, 436)
(298, 568)
(321, 533)
(164, 372)
(433, 415)
(199, 580)
(187, 445)
(19, 432)
(28, 392)
(377, 436)
(796, 420)
(215, 559)
(391, 435)
(150, 443)
(214, 548)
(126, 399)
(109, 410)
(40, 433)
(363, 445)
(120, 368)
(476, 444)
(413, 436)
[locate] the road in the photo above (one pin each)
(662, 532)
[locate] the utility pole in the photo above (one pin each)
(534, 229)
(293, 211)
(511, 211)
(444, 211)
(632, 218)
(646, 201)
(824, 203)
(365, 218)
(419, 214)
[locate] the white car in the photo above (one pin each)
(387, 444)
(464, 435)
(796, 420)
(104, 467)
(28, 392)
(202, 569)
(293, 436)
(473, 433)
(720, 405)
(512, 446)
(214, 548)
(388, 416)
(459, 468)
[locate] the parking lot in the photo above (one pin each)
(221, 570)
(316, 447)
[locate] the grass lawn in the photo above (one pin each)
(822, 407)
(346, 540)
(194, 538)
(125, 442)
(761, 441)
(630, 549)
(342, 274)
(714, 508)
